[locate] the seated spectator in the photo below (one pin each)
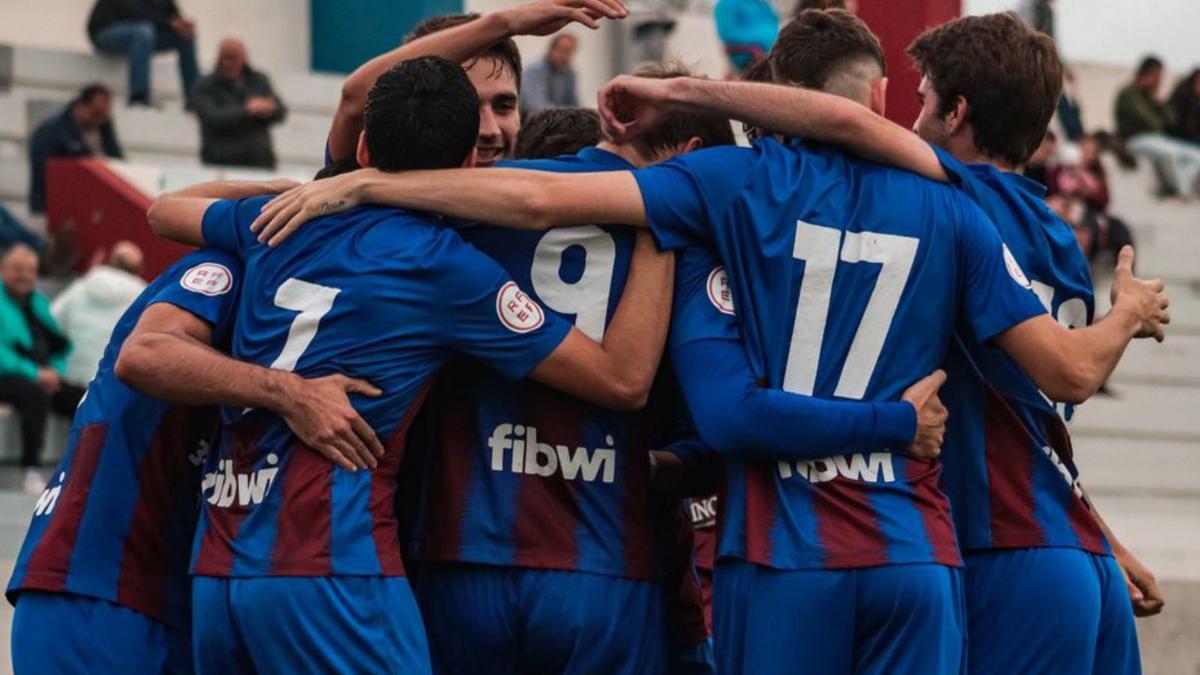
(88, 309)
(550, 82)
(137, 29)
(554, 132)
(236, 107)
(83, 129)
(1143, 122)
(1185, 103)
(33, 357)
(1078, 174)
(1070, 114)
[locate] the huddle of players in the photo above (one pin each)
(533, 534)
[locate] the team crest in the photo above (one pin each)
(719, 293)
(1014, 269)
(517, 311)
(208, 279)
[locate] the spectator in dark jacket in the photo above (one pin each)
(83, 129)
(1143, 122)
(236, 107)
(1185, 101)
(139, 28)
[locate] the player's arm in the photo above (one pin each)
(459, 44)
(1144, 593)
(632, 106)
(1071, 365)
(518, 198)
(179, 215)
(169, 355)
(619, 371)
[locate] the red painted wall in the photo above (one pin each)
(897, 23)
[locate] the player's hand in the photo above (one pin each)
(1144, 593)
(318, 411)
(1145, 299)
(931, 415)
(284, 214)
(184, 27)
(632, 106)
(546, 17)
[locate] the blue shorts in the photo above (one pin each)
(505, 621)
(67, 633)
(1048, 610)
(307, 625)
(893, 620)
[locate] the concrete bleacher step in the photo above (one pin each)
(1173, 362)
(1142, 411)
(1123, 466)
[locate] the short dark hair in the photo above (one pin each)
(680, 127)
(554, 132)
(90, 92)
(1148, 65)
(818, 43)
(337, 168)
(1009, 74)
(804, 5)
(421, 114)
(504, 52)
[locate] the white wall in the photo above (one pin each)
(1120, 32)
(276, 31)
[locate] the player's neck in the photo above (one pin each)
(626, 152)
(968, 153)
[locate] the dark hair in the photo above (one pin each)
(421, 114)
(504, 53)
(1148, 65)
(558, 131)
(336, 169)
(90, 92)
(1009, 75)
(680, 127)
(817, 43)
(804, 5)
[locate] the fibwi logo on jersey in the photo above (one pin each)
(223, 487)
(208, 279)
(719, 292)
(529, 456)
(875, 467)
(517, 311)
(49, 497)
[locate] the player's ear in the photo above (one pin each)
(879, 96)
(693, 143)
(360, 153)
(957, 117)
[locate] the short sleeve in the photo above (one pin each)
(996, 295)
(686, 197)
(486, 315)
(226, 224)
(703, 305)
(206, 283)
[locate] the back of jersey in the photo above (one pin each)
(848, 278)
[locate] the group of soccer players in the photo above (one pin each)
(446, 443)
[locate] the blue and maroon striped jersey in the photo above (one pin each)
(383, 295)
(116, 520)
(1008, 466)
(525, 476)
(848, 278)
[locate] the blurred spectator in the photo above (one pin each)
(848, 5)
(88, 309)
(13, 231)
(33, 357)
(1079, 193)
(83, 129)
(1185, 103)
(236, 107)
(1079, 175)
(1040, 162)
(139, 28)
(1143, 121)
(550, 82)
(1070, 114)
(1039, 14)
(558, 131)
(748, 29)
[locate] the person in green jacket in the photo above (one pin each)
(1144, 121)
(33, 357)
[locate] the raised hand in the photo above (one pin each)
(632, 106)
(320, 414)
(1146, 299)
(546, 17)
(931, 415)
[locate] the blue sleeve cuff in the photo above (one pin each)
(896, 423)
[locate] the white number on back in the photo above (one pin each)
(313, 301)
(818, 247)
(586, 298)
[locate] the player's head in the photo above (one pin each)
(833, 51)
(679, 131)
(421, 114)
(989, 86)
(496, 75)
(554, 132)
(1149, 75)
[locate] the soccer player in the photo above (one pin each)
(1032, 537)
(101, 581)
(298, 566)
(484, 45)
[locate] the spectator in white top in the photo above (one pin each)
(550, 83)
